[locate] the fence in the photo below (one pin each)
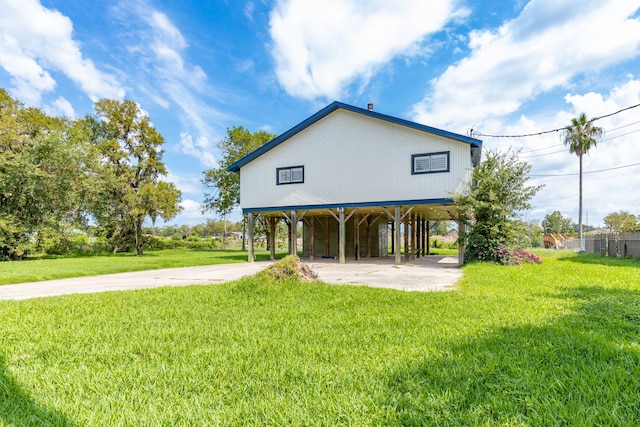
(560, 241)
(615, 244)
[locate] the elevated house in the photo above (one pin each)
(349, 175)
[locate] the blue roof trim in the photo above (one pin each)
(331, 108)
(351, 205)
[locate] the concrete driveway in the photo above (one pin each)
(432, 273)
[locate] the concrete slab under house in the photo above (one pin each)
(348, 175)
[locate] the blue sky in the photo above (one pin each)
(199, 67)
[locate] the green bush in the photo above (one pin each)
(100, 245)
(482, 249)
(55, 243)
(154, 243)
(451, 245)
(14, 242)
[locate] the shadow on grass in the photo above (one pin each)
(17, 408)
(602, 260)
(582, 370)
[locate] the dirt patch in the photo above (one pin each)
(290, 267)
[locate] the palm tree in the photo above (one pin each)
(581, 136)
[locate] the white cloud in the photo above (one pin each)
(188, 183)
(244, 65)
(191, 212)
(166, 30)
(190, 206)
(544, 48)
(201, 149)
(36, 40)
(604, 192)
(322, 47)
(29, 78)
(162, 48)
(249, 8)
(61, 107)
(168, 44)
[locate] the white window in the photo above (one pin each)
(290, 175)
(430, 163)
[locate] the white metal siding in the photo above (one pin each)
(351, 158)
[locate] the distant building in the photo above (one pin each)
(349, 174)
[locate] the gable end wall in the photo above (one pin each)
(351, 158)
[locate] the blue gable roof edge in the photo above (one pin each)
(351, 205)
(235, 167)
(283, 137)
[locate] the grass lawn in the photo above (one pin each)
(443, 251)
(540, 345)
(36, 269)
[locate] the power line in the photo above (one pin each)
(588, 172)
(623, 126)
(540, 149)
(543, 154)
(558, 145)
(563, 151)
(618, 136)
(474, 134)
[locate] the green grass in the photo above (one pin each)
(443, 251)
(37, 269)
(540, 345)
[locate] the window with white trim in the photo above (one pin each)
(430, 163)
(290, 175)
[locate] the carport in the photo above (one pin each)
(356, 231)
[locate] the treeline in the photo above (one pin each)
(209, 229)
(556, 223)
(57, 176)
(214, 234)
(88, 240)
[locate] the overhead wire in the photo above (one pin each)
(474, 133)
(623, 126)
(563, 151)
(587, 172)
(558, 145)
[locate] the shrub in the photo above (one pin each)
(101, 245)
(515, 256)
(482, 249)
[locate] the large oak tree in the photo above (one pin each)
(128, 187)
(42, 166)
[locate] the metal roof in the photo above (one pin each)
(473, 142)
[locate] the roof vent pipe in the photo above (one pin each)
(370, 106)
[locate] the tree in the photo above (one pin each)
(557, 224)
(622, 221)
(535, 233)
(489, 209)
(224, 186)
(42, 165)
(581, 136)
(440, 228)
(128, 185)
